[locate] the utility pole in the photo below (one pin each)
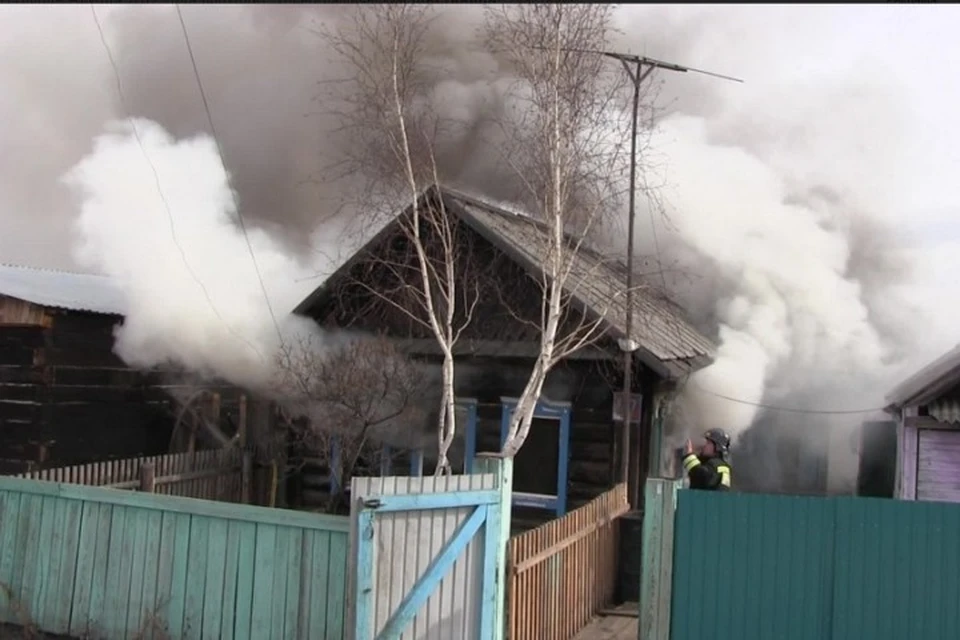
(638, 69)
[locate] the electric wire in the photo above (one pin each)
(156, 178)
(772, 407)
(236, 205)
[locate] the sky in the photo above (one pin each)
(818, 200)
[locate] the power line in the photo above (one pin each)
(216, 141)
(783, 409)
(156, 179)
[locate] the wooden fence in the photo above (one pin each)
(220, 474)
(96, 562)
(563, 572)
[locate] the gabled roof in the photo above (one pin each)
(62, 289)
(669, 344)
(928, 384)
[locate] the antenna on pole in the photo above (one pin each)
(638, 68)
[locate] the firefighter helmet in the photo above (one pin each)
(720, 438)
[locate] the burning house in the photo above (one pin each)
(571, 454)
(66, 397)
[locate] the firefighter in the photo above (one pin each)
(709, 470)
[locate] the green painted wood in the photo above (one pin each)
(216, 568)
(151, 615)
(34, 597)
(228, 596)
(657, 568)
(73, 512)
(108, 614)
(179, 578)
(263, 594)
(9, 519)
(243, 620)
(293, 598)
(121, 588)
(135, 618)
(279, 590)
(122, 568)
(86, 555)
(306, 584)
(319, 585)
(45, 604)
(196, 580)
(28, 570)
(162, 605)
(337, 587)
(174, 504)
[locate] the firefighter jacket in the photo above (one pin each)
(711, 474)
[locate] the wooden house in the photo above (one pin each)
(571, 454)
(927, 410)
(65, 396)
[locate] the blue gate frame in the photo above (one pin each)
(488, 513)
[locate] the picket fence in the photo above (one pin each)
(563, 572)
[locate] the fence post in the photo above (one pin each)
(494, 600)
(656, 571)
(147, 477)
(246, 471)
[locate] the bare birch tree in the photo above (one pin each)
(567, 153)
(386, 115)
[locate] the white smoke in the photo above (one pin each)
(158, 215)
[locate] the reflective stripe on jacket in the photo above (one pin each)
(712, 474)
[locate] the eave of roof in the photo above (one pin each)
(926, 385)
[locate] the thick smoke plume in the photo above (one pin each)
(158, 215)
(788, 203)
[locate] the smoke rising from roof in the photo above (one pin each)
(782, 195)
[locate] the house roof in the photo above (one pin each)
(928, 384)
(669, 344)
(62, 289)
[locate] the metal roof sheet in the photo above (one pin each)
(62, 289)
(597, 281)
(935, 379)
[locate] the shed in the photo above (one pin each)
(927, 409)
(572, 452)
(65, 396)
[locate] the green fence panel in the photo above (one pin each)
(896, 570)
(105, 563)
(758, 567)
(750, 567)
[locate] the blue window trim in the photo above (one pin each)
(559, 411)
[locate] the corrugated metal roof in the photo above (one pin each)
(62, 289)
(597, 282)
(936, 378)
(669, 344)
(945, 410)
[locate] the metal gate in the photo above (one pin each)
(756, 567)
(428, 553)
